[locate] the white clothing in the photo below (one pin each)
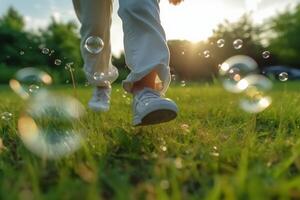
(144, 40)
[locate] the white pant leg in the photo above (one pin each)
(95, 18)
(144, 41)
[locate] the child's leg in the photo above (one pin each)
(147, 56)
(146, 50)
(95, 18)
(148, 81)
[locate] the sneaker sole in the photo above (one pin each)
(157, 114)
(158, 117)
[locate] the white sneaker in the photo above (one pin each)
(100, 100)
(150, 108)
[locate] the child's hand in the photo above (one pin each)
(175, 2)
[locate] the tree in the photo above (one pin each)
(285, 40)
(12, 20)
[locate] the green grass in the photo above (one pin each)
(213, 150)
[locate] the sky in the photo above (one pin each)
(192, 20)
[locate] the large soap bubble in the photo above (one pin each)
(255, 97)
(94, 44)
(50, 126)
(235, 69)
(28, 82)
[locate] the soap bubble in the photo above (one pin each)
(57, 62)
(49, 126)
(94, 45)
(112, 73)
(221, 43)
(283, 76)
(255, 98)
(235, 69)
(206, 54)
(266, 54)
(45, 51)
(238, 44)
(6, 116)
(28, 81)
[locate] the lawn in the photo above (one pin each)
(213, 150)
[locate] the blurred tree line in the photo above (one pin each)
(189, 61)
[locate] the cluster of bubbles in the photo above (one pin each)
(239, 74)
(49, 125)
(237, 44)
(105, 78)
(47, 51)
(94, 45)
